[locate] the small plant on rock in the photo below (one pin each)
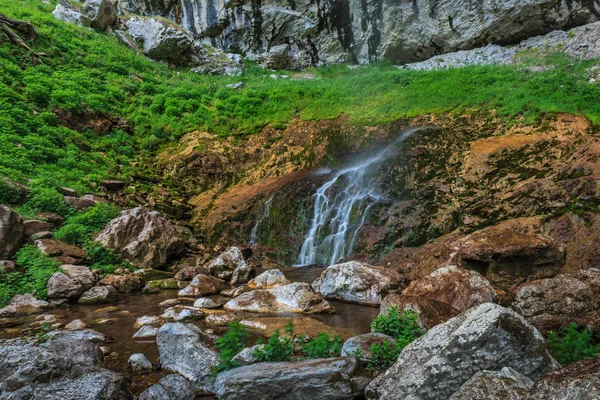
(323, 346)
(402, 326)
(384, 355)
(572, 344)
(229, 345)
(277, 348)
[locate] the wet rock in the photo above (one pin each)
(146, 332)
(150, 290)
(171, 387)
(81, 346)
(87, 201)
(12, 232)
(148, 320)
(580, 381)
(123, 283)
(362, 345)
(505, 384)
(268, 279)
(430, 312)
(246, 356)
(220, 319)
(70, 16)
(34, 226)
(149, 274)
(28, 371)
(100, 295)
(202, 285)
(102, 13)
(143, 237)
(235, 292)
(494, 337)
(295, 297)
(460, 288)
(182, 313)
(71, 283)
(303, 326)
(63, 252)
(550, 304)
(76, 325)
(357, 282)
(105, 310)
(187, 350)
(507, 258)
(168, 284)
(324, 379)
(205, 302)
(139, 363)
(161, 40)
(23, 305)
(231, 265)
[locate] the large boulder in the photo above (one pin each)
(123, 283)
(430, 312)
(31, 372)
(12, 232)
(71, 282)
(506, 384)
(187, 350)
(171, 387)
(580, 381)
(296, 298)
(102, 13)
(487, 337)
(82, 346)
(23, 305)
(143, 237)
(87, 201)
(202, 285)
(99, 295)
(35, 226)
(550, 304)
(357, 282)
(70, 16)
(63, 252)
(324, 379)
(231, 265)
(161, 40)
(460, 288)
(269, 279)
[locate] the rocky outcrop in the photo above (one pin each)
(361, 344)
(12, 232)
(550, 304)
(23, 305)
(430, 312)
(160, 40)
(357, 282)
(123, 283)
(87, 201)
(63, 252)
(171, 387)
(99, 295)
(71, 283)
(296, 298)
(232, 266)
(460, 288)
(102, 13)
(325, 379)
(35, 226)
(143, 237)
(81, 345)
(202, 285)
(268, 279)
(185, 349)
(579, 381)
(505, 384)
(494, 337)
(70, 16)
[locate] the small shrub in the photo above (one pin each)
(572, 344)
(384, 355)
(278, 348)
(47, 200)
(79, 227)
(229, 345)
(323, 346)
(402, 326)
(74, 234)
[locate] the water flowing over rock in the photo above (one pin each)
(185, 349)
(12, 232)
(357, 282)
(430, 312)
(324, 379)
(580, 381)
(433, 366)
(460, 288)
(258, 226)
(143, 237)
(171, 387)
(296, 298)
(505, 384)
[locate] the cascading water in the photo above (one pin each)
(258, 225)
(340, 208)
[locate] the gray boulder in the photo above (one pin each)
(143, 237)
(202, 285)
(357, 282)
(12, 232)
(361, 344)
(161, 40)
(70, 16)
(23, 305)
(269, 279)
(506, 384)
(187, 350)
(324, 379)
(71, 283)
(102, 13)
(579, 381)
(246, 356)
(138, 362)
(171, 387)
(231, 265)
(434, 366)
(99, 295)
(81, 346)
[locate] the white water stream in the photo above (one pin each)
(259, 222)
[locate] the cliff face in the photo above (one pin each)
(332, 31)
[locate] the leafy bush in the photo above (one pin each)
(229, 345)
(43, 199)
(79, 227)
(323, 346)
(572, 344)
(105, 259)
(277, 348)
(74, 234)
(403, 327)
(35, 268)
(384, 355)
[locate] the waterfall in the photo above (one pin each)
(340, 208)
(256, 228)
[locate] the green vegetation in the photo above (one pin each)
(323, 346)
(34, 270)
(105, 259)
(277, 348)
(229, 345)
(79, 227)
(572, 344)
(384, 355)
